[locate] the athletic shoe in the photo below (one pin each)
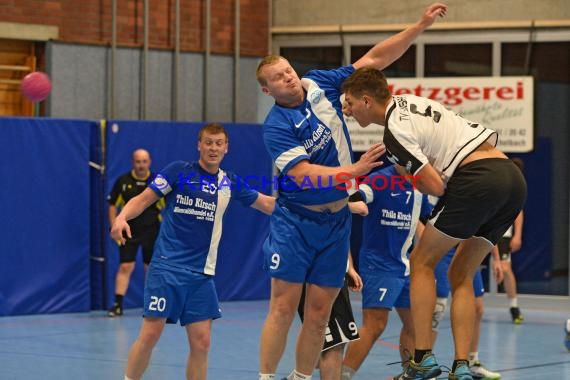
(400, 377)
(462, 372)
(567, 331)
(424, 370)
(115, 311)
(516, 315)
(482, 373)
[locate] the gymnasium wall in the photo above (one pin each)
(78, 36)
(551, 122)
(325, 12)
(44, 230)
(90, 22)
(80, 74)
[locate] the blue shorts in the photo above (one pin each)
(179, 294)
(382, 291)
(478, 287)
(442, 282)
(442, 287)
(307, 246)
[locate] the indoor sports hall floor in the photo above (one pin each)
(92, 346)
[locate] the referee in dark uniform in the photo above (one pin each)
(144, 228)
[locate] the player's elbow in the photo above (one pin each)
(438, 190)
(371, 60)
(268, 205)
(300, 179)
(300, 173)
(431, 187)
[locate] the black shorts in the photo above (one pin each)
(342, 327)
(482, 199)
(504, 246)
(143, 237)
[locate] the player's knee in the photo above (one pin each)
(316, 319)
(438, 313)
(376, 327)
(458, 276)
(479, 308)
(149, 338)
(200, 343)
(420, 260)
(127, 268)
(458, 282)
(317, 326)
(281, 315)
(318, 309)
(415, 260)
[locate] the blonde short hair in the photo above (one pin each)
(266, 61)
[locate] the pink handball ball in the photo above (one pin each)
(36, 86)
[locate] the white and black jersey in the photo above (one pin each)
(420, 131)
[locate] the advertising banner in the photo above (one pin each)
(504, 104)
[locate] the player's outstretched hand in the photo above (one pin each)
(431, 14)
(369, 160)
(359, 208)
(354, 280)
(498, 272)
(515, 244)
(119, 226)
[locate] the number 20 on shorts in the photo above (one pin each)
(157, 304)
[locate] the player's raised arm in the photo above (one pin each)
(386, 52)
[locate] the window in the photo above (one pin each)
(455, 60)
(546, 61)
(304, 59)
(405, 66)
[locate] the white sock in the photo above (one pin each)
(347, 373)
(473, 357)
(127, 378)
(513, 302)
(298, 376)
(266, 376)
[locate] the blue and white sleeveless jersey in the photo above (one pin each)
(313, 131)
(395, 209)
(195, 205)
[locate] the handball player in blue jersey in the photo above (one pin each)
(395, 211)
(305, 134)
(179, 284)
